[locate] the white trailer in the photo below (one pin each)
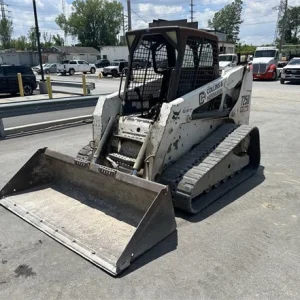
(114, 52)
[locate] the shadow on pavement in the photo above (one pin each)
(292, 82)
(169, 244)
(228, 198)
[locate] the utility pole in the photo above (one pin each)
(63, 5)
(129, 14)
(192, 10)
(123, 21)
(38, 39)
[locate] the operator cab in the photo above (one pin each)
(180, 60)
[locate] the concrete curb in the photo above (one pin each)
(46, 125)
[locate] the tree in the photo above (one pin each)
(32, 38)
(58, 40)
(93, 22)
(245, 49)
(292, 25)
(228, 20)
(47, 38)
(6, 30)
(20, 43)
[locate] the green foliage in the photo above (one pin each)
(30, 42)
(93, 22)
(32, 38)
(58, 40)
(20, 43)
(47, 38)
(292, 27)
(228, 20)
(6, 30)
(245, 49)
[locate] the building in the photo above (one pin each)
(50, 55)
(57, 53)
(224, 46)
(114, 52)
(13, 57)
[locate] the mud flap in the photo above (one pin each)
(108, 217)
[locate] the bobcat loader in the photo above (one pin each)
(176, 134)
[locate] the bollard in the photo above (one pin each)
(84, 85)
(49, 87)
(20, 81)
(2, 131)
(100, 75)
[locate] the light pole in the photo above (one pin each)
(129, 14)
(38, 38)
(42, 83)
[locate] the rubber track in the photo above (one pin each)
(186, 172)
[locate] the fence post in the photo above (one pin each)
(20, 81)
(49, 87)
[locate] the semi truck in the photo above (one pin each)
(265, 63)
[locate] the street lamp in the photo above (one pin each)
(42, 83)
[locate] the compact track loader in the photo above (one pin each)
(175, 134)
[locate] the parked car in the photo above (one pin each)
(291, 72)
(48, 68)
(102, 63)
(9, 79)
(115, 69)
(72, 66)
(140, 64)
(38, 67)
(121, 59)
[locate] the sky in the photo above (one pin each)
(258, 15)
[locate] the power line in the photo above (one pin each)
(139, 16)
(258, 23)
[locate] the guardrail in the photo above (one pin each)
(89, 85)
(33, 107)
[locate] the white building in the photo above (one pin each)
(88, 54)
(224, 46)
(114, 52)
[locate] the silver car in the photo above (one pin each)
(48, 68)
(291, 72)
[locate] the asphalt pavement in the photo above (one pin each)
(244, 246)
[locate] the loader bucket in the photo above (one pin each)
(106, 216)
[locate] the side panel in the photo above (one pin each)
(175, 132)
(107, 107)
(241, 111)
